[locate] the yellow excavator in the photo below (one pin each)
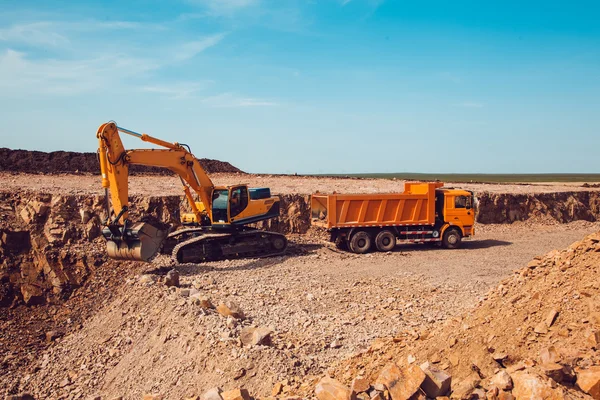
(217, 228)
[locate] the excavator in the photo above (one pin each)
(218, 225)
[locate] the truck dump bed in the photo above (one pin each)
(414, 206)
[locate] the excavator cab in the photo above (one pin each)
(233, 203)
(227, 203)
(236, 205)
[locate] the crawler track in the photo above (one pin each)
(196, 245)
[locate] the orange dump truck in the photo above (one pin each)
(424, 212)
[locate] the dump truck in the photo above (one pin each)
(423, 213)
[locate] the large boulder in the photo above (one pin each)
(402, 383)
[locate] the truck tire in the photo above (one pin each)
(341, 243)
(451, 239)
(360, 242)
(385, 241)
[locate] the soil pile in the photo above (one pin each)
(540, 327)
(294, 217)
(38, 162)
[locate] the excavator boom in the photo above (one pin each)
(115, 161)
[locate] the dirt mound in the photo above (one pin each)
(542, 324)
(149, 338)
(38, 162)
(295, 215)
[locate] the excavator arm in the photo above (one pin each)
(141, 241)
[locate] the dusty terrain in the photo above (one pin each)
(116, 329)
(536, 334)
(170, 185)
(321, 305)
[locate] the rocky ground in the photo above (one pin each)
(534, 336)
(498, 203)
(320, 306)
(99, 327)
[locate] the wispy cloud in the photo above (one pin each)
(469, 104)
(44, 33)
(176, 90)
(284, 16)
(235, 100)
(194, 91)
(223, 7)
(191, 49)
(376, 3)
(70, 58)
(36, 33)
(67, 58)
(67, 77)
(369, 3)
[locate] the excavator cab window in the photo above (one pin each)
(220, 203)
(239, 200)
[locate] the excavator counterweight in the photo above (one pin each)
(216, 229)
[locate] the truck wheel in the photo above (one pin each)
(360, 242)
(385, 241)
(452, 238)
(341, 243)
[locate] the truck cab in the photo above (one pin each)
(456, 208)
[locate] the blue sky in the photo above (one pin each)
(329, 86)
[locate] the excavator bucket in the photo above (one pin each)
(138, 243)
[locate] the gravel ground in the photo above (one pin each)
(322, 305)
(166, 185)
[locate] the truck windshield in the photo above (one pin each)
(460, 202)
